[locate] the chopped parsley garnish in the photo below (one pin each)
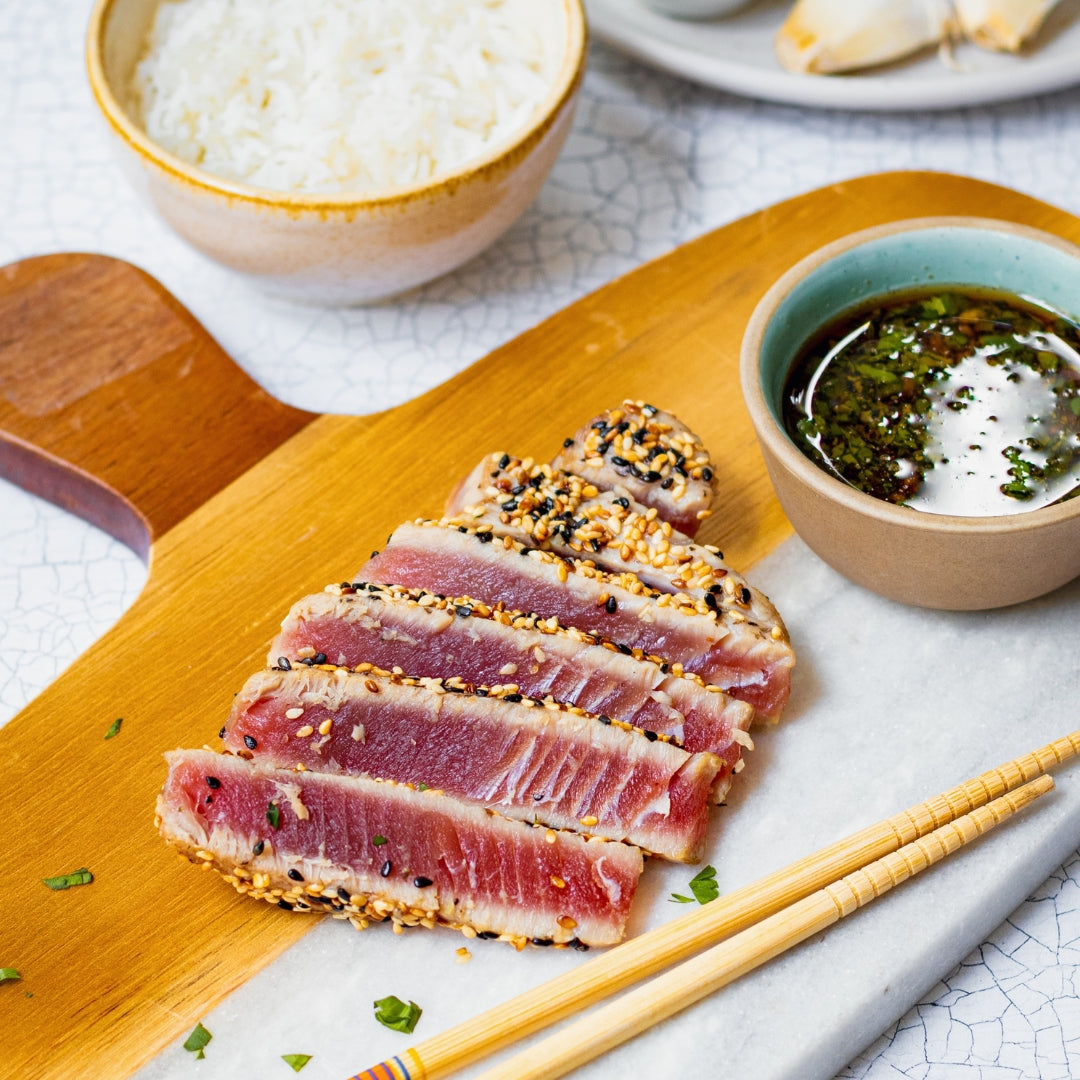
(197, 1040)
(378, 841)
(392, 1012)
(422, 786)
(296, 1061)
(273, 815)
(82, 876)
(114, 727)
(702, 885)
(9, 975)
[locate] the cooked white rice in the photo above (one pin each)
(342, 95)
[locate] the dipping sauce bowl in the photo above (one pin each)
(931, 560)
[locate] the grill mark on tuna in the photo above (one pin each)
(487, 872)
(417, 631)
(723, 648)
(487, 750)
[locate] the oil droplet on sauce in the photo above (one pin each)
(958, 402)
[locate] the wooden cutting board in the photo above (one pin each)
(116, 403)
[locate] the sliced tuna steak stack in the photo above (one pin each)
(724, 648)
(648, 454)
(535, 761)
(368, 851)
(428, 635)
(489, 726)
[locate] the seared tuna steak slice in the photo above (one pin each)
(725, 648)
(648, 454)
(569, 515)
(363, 850)
(427, 635)
(530, 760)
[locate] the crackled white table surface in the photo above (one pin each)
(652, 161)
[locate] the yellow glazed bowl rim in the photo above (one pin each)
(517, 146)
(772, 435)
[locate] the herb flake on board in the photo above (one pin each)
(296, 1061)
(704, 887)
(196, 1042)
(392, 1012)
(82, 876)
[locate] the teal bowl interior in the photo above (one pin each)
(933, 257)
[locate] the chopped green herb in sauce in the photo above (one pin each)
(296, 1061)
(953, 403)
(392, 1012)
(114, 727)
(82, 876)
(197, 1041)
(702, 885)
(378, 841)
(273, 815)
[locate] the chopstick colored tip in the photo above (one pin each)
(395, 1069)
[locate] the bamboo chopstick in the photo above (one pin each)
(667, 994)
(442, 1054)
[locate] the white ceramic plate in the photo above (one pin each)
(736, 54)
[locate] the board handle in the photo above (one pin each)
(116, 404)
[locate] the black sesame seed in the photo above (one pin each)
(257, 848)
(385, 869)
(612, 605)
(567, 443)
(713, 589)
(422, 882)
(374, 553)
(284, 904)
(579, 946)
(652, 476)
(213, 782)
(623, 502)
(504, 461)
(296, 875)
(486, 935)
(622, 426)
(594, 544)
(343, 894)
(744, 595)
(710, 601)
(640, 435)
(512, 697)
(462, 529)
(604, 719)
(283, 663)
(680, 470)
(542, 941)
(510, 504)
(319, 900)
(625, 650)
(538, 795)
(650, 735)
(250, 742)
(346, 584)
(481, 691)
(667, 483)
(517, 490)
(463, 610)
(308, 661)
(603, 448)
(619, 461)
(221, 733)
(209, 799)
(484, 537)
(320, 658)
(706, 474)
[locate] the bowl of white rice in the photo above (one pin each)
(338, 151)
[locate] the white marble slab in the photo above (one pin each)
(652, 162)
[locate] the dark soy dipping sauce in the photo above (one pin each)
(953, 402)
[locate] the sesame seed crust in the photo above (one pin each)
(567, 514)
(648, 454)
